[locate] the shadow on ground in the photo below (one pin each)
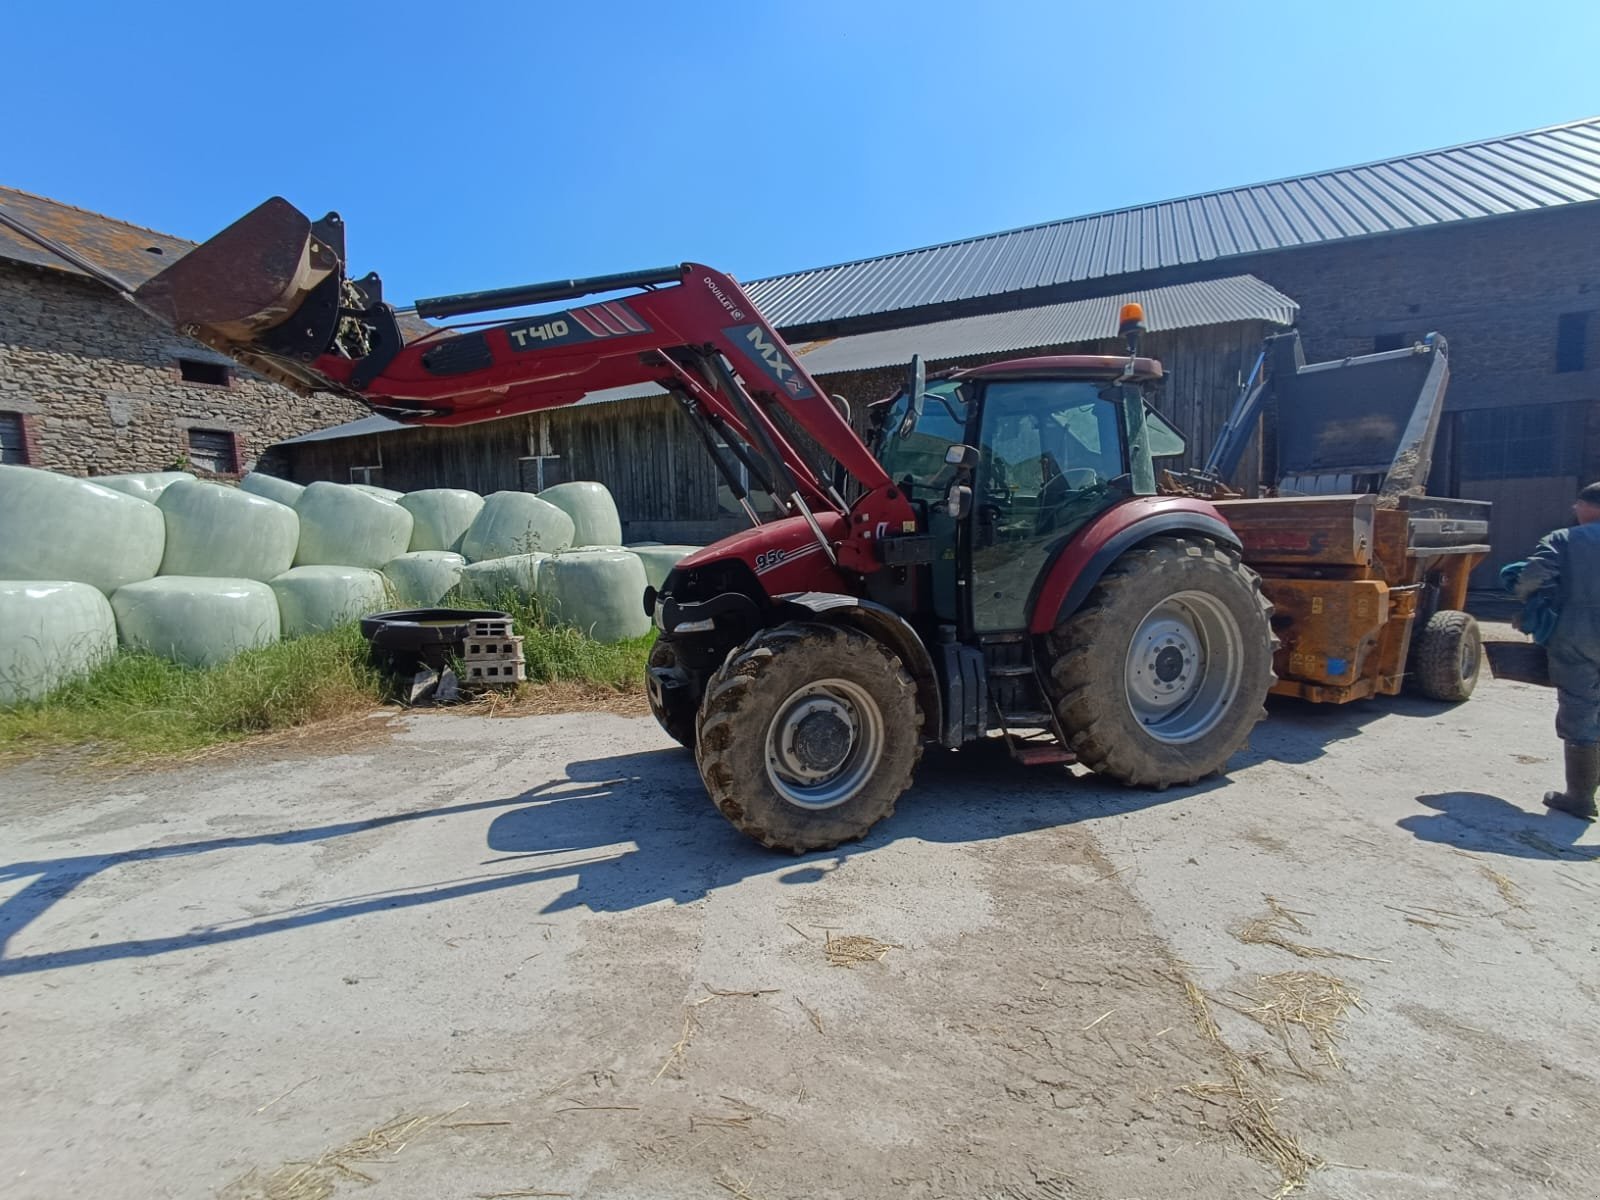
(1487, 824)
(637, 829)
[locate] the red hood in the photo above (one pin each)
(784, 554)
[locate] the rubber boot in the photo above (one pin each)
(1583, 776)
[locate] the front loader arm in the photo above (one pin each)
(271, 291)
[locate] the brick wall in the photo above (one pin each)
(1494, 288)
(99, 383)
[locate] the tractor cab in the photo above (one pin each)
(1009, 461)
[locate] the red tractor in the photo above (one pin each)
(996, 562)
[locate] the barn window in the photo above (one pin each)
(214, 450)
(1524, 441)
(199, 370)
(371, 476)
(13, 439)
(1572, 332)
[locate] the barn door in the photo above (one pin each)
(1525, 460)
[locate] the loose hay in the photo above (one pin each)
(1268, 931)
(316, 1180)
(1310, 1000)
(855, 948)
(1250, 1114)
(1508, 890)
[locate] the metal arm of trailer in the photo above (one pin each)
(1368, 423)
(272, 292)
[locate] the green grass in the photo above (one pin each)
(562, 654)
(139, 706)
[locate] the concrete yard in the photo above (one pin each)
(531, 956)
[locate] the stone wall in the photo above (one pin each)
(100, 387)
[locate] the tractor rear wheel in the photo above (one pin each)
(1449, 655)
(674, 709)
(808, 735)
(1160, 676)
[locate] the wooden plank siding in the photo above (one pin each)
(645, 451)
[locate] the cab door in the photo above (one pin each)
(1049, 451)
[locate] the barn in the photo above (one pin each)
(1495, 244)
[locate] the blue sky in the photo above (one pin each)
(476, 145)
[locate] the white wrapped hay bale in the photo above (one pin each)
(658, 560)
(488, 581)
(594, 513)
(317, 598)
(381, 493)
(51, 632)
(421, 578)
(516, 523)
(194, 621)
(225, 533)
(55, 527)
(347, 527)
(599, 591)
(440, 516)
(273, 488)
(147, 485)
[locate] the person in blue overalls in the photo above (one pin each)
(1566, 566)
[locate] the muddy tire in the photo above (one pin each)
(675, 714)
(1160, 676)
(808, 735)
(1449, 657)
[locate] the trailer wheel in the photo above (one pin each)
(808, 735)
(1449, 654)
(674, 709)
(1160, 676)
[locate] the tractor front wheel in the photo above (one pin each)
(1160, 676)
(808, 735)
(674, 707)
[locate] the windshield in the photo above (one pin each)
(919, 456)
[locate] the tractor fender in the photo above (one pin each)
(884, 624)
(1108, 537)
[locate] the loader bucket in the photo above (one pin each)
(247, 280)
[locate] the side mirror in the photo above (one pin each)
(965, 457)
(959, 502)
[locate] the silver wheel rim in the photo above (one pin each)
(1184, 667)
(1469, 658)
(824, 743)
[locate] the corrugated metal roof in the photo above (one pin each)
(1545, 168)
(1178, 306)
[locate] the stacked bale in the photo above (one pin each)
(147, 485)
(440, 516)
(516, 523)
(222, 532)
(595, 521)
(273, 488)
(51, 632)
(600, 591)
(345, 526)
(314, 599)
(422, 578)
(53, 527)
(195, 621)
(491, 580)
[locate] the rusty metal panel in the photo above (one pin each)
(1304, 531)
(1328, 630)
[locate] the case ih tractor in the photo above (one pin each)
(996, 563)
